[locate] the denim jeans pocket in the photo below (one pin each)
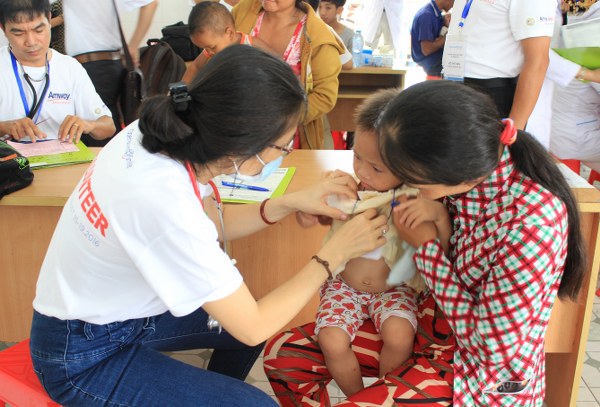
(121, 331)
(92, 341)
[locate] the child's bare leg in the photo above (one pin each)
(340, 360)
(398, 337)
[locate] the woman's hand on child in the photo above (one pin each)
(362, 234)
(313, 200)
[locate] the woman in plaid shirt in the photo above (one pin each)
(516, 244)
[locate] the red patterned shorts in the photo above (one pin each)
(347, 308)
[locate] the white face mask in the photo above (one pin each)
(267, 170)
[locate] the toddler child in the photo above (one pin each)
(212, 28)
(361, 291)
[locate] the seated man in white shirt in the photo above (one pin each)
(45, 95)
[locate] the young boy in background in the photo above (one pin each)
(212, 28)
(329, 10)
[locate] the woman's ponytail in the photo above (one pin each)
(241, 102)
(161, 125)
(531, 159)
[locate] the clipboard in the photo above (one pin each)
(53, 153)
(276, 184)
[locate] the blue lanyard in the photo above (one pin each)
(465, 13)
(36, 107)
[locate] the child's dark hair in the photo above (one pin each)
(368, 112)
(441, 132)
(209, 16)
(242, 101)
(16, 10)
(314, 4)
(337, 3)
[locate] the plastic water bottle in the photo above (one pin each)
(357, 48)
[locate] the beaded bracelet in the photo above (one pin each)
(262, 213)
(325, 264)
(581, 75)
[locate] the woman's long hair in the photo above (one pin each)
(441, 132)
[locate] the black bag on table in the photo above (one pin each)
(178, 37)
(15, 172)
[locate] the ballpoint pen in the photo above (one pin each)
(244, 186)
(31, 142)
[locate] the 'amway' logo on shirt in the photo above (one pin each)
(64, 96)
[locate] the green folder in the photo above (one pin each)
(84, 155)
(588, 57)
(278, 191)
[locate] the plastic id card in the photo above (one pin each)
(454, 57)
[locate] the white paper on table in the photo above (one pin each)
(271, 183)
(573, 179)
(43, 147)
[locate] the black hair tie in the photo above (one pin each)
(180, 97)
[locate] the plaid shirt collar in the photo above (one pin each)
(472, 204)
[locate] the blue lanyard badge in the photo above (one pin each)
(464, 14)
(36, 106)
(455, 50)
(453, 60)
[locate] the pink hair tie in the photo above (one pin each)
(509, 134)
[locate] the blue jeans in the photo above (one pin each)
(121, 364)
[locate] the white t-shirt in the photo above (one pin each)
(133, 241)
(347, 55)
(93, 26)
(70, 92)
(494, 29)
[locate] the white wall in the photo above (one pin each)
(168, 12)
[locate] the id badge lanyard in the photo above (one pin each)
(455, 49)
(192, 175)
(211, 323)
(36, 106)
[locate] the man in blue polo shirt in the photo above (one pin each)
(427, 37)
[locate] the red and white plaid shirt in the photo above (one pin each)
(497, 288)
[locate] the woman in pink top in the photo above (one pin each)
(295, 33)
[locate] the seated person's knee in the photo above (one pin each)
(398, 332)
(333, 340)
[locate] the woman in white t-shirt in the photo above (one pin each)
(135, 267)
